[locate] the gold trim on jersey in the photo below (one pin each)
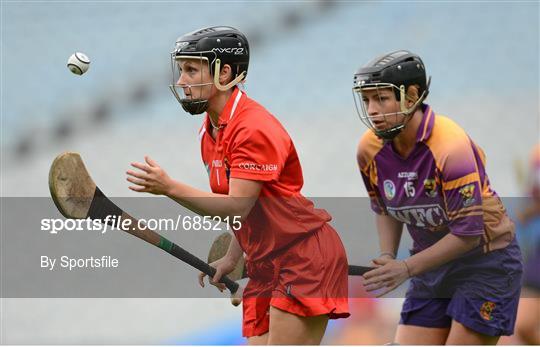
(462, 181)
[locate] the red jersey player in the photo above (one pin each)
(296, 262)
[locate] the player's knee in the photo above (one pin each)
(460, 334)
(258, 340)
(290, 329)
(417, 335)
(528, 332)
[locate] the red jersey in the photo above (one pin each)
(252, 144)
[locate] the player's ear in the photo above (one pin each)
(225, 75)
(412, 94)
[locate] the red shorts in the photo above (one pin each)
(310, 278)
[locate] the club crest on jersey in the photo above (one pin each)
(430, 187)
(389, 189)
(487, 309)
(467, 193)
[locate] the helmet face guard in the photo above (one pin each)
(369, 121)
(189, 96)
(396, 71)
(215, 47)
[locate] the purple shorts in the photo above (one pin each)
(480, 291)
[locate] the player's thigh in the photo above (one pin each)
(289, 329)
(258, 340)
(417, 335)
(461, 335)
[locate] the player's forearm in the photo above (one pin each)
(446, 249)
(209, 204)
(389, 231)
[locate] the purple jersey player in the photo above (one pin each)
(421, 169)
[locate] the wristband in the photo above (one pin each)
(407, 266)
(392, 255)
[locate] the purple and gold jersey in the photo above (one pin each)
(440, 187)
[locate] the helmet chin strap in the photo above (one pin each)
(219, 86)
(194, 106)
(389, 134)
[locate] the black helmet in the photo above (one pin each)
(218, 45)
(397, 70)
